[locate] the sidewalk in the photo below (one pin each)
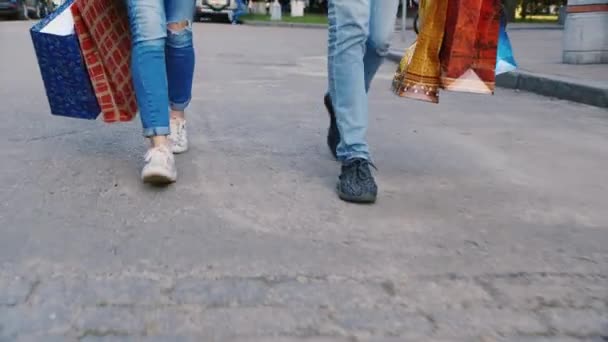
(538, 51)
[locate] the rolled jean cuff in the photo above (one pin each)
(353, 155)
(180, 106)
(156, 131)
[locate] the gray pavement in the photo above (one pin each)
(491, 224)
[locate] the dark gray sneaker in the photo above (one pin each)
(357, 182)
(333, 135)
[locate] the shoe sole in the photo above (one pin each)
(158, 178)
(179, 150)
(368, 199)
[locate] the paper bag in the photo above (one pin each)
(64, 74)
(102, 27)
(468, 54)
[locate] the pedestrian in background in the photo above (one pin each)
(241, 9)
(359, 38)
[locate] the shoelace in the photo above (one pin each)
(178, 126)
(361, 171)
(158, 153)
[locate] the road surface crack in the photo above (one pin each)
(31, 292)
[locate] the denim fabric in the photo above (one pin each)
(162, 60)
(359, 38)
(240, 10)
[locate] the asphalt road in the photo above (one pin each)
(491, 225)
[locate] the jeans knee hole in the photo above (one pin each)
(179, 27)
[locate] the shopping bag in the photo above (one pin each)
(102, 27)
(421, 79)
(65, 77)
(505, 61)
(468, 54)
(406, 60)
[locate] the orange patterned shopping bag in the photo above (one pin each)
(102, 27)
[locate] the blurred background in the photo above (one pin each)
(315, 10)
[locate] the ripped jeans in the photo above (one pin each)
(162, 59)
(359, 38)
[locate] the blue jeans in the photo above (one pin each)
(162, 59)
(359, 39)
(241, 9)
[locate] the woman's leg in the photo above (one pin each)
(147, 21)
(180, 67)
(180, 52)
(148, 29)
(381, 28)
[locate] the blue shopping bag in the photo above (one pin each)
(505, 61)
(64, 74)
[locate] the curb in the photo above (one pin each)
(564, 88)
(513, 27)
(296, 25)
(533, 27)
(284, 24)
(590, 93)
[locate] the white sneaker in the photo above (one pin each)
(160, 166)
(179, 136)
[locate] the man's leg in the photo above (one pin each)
(381, 28)
(377, 45)
(348, 34)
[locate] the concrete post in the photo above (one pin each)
(276, 11)
(297, 8)
(586, 32)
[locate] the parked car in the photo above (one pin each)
(222, 9)
(25, 9)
